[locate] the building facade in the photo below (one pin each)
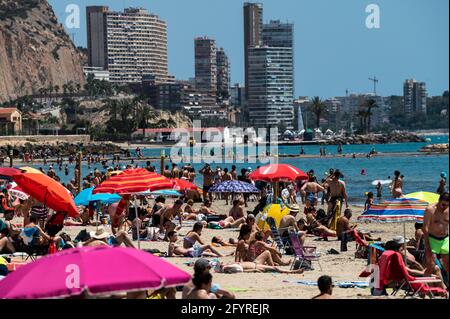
(10, 121)
(223, 75)
(414, 96)
(205, 65)
(270, 87)
(130, 44)
(253, 24)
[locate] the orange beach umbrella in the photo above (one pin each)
(47, 191)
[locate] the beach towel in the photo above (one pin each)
(341, 284)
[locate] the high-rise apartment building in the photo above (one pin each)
(253, 23)
(130, 44)
(206, 65)
(277, 34)
(270, 86)
(414, 96)
(223, 75)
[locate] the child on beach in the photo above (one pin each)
(369, 201)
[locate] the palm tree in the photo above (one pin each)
(370, 104)
(318, 108)
(362, 119)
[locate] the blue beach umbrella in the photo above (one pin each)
(86, 196)
(234, 186)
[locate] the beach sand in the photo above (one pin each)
(342, 267)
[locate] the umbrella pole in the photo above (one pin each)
(404, 236)
(275, 192)
(138, 223)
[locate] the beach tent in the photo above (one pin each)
(101, 271)
(276, 211)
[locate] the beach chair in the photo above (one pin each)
(28, 246)
(276, 235)
(392, 269)
(303, 253)
(443, 272)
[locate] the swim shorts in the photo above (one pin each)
(439, 246)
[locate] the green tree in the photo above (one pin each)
(370, 105)
(318, 108)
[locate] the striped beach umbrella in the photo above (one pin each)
(234, 186)
(133, 181)
(395, 211)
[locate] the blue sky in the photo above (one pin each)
(334, 50)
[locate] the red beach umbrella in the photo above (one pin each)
(182, 184)
(133, 181)
(8, 172)
(278, 173)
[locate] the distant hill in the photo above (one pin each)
(35, 50)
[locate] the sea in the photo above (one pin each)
(421, 172)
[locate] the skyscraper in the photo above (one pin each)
(253, 22)
(414, 96)
(270, 90)
(206, 65)
(134, 43)
(223, 75)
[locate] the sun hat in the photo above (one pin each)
(399, 240)
(99, 234)
(293, 208)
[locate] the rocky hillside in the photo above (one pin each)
(35, 51)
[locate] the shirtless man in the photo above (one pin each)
(397, 185)
(175, 171)
(310, 190)
(166, 214)
(289, 221)
(435, 233)
(226, 176)
(167, 172)
(337, 192)
(208, 181)
(325, 284)
(343, 226)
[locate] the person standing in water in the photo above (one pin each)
(397, 185)
(442, 188)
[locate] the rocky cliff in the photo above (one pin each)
(35, 51)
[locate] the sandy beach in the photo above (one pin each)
(342, 267)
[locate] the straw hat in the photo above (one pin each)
(100, 234)
(293, 208)
(399, 240)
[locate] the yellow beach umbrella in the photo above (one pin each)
(271, 210)
(428, 197)
(30, 170)
(113, 173)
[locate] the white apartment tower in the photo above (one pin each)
(131, 45)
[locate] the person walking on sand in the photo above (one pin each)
(325, 284)
(435, 233)
(208, 181)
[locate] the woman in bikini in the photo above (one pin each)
(176, 250)
(397, 185)
(258, 247)
(191, 239)
(189, 212)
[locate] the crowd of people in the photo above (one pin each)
(254, 248)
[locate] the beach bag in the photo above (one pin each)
(152, 233)
(362, 252)
(306, 264)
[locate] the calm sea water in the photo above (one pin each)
(421, 172)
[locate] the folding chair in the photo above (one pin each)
(392, 269)
(303, 253)
(27, 245)
(276, 235)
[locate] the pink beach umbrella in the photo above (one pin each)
(92, 270)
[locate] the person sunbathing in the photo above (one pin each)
(258, 247)
(247, 266)
(191, 239)
(229, 222)
(189, 212)
(101, 237)
(196, 251)
(219, 241)
(315, 227)
(39, 237)
(344, 227)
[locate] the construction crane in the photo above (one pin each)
(375, 81)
